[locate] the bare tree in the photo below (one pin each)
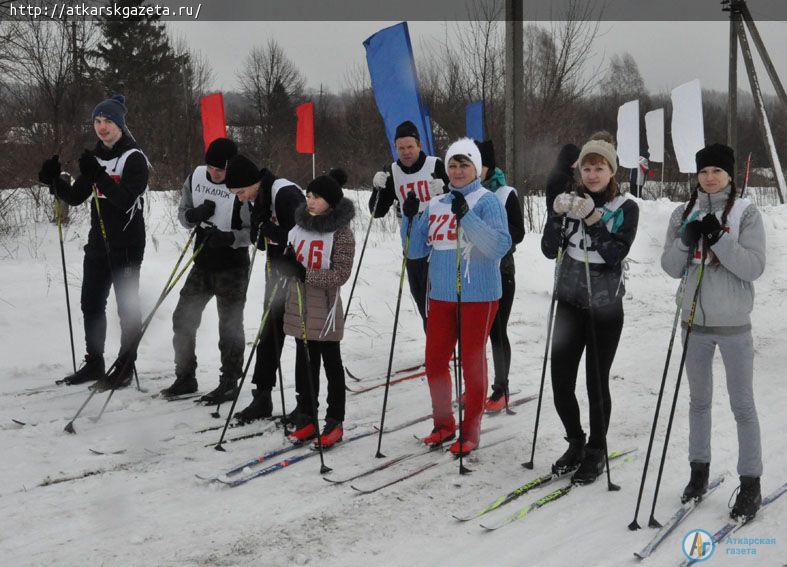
(267, 77)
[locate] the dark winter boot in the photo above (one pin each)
(698, 483)
(91, 370)
(184, 384)
(331, 433)
(590, 468)
(570, 460)
(292, 417)
(118, 378)
(748, 501)
(226, 391)
(260, 407)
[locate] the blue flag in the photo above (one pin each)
(474, 120)
(389, 56)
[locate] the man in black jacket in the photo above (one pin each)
(221, 269)
(274, 201)
(115, 174)
(420, 174)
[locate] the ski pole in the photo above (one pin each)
(459, 377)
(550, 322)
(58, 213)
(168, 287)
(379, 453)
(594, 345)
(215, 412)
(277, 346)
(310, 377)
(375, 198)
(652, 522)
(165, 292)
(107, 249)
(263, 320)
(634, 525)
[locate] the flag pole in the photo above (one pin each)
(314, 170)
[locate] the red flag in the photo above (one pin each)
(304, 136)
(214, 124)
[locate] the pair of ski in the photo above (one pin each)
(529, 486)
(731, 527)
(675, 520)
(227, 479)
(409, 369)
(410, 474)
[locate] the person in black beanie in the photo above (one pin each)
(115, 174)
(221, 269)
(561, 179)
(493, 179)
(318, 262)
(273, 202)
(414, 172)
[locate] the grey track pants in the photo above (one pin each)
(737, 353)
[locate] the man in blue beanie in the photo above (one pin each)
(115, 174)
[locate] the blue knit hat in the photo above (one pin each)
(114, 109)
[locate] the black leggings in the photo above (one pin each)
(498, 336)
(331, 355)
(571, 336)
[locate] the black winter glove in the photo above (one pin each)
(216, 238)
(711, 228)
(89, 166)
(50, 171)
(201, 213)
(272, 231)
(459, 205)
(691, 234)
(411, 205)
(289, 267)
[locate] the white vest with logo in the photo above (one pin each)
(202, 189)
(733, 226)
(312, 249)
(575, 233)
(417, 182)
(114, 167)
(442, 222)
(502, 194)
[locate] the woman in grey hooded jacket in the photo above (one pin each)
(729, 231)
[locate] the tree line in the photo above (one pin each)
(53, 72)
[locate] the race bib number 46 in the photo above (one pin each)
(311, 258)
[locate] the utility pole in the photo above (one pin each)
(514, 88)
(739, 12)
(732, 88)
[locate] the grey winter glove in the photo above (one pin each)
(582, 207)
(562, 203)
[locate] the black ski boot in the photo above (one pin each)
(292, 417)
(260, 407)
(590, 468)
(119, 377)
(92, 369)
(748, 501)
(698, 483)
(226, 391)
(570, 460)
(184, 384)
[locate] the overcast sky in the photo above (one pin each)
(668, 53)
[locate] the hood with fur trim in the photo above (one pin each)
(336, 218)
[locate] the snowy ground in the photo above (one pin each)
(145, 506)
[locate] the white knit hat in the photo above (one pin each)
(602, 148)
(465, 147)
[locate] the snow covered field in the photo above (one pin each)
(145, 506)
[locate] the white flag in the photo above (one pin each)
(688, 134)
(628, 134)
(654, 130)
